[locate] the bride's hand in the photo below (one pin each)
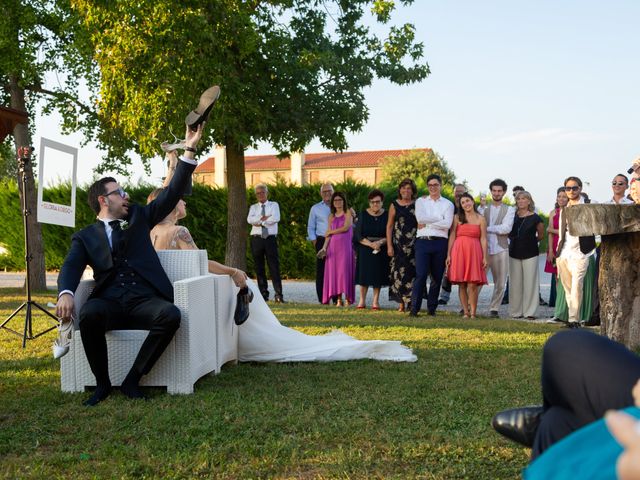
(239, 278)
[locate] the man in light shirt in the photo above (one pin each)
(434, 214)
(499, 217)
(263, 218)
(573, 254)
(619, 186)
(316, 228)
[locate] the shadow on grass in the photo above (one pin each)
(356, 419)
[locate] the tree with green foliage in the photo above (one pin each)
(416, 164)
(8, 164)
(289, 71)
(38, 38)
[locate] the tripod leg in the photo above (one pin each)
(15, 312)
(52, 318)
(35, 304)
(27, 326)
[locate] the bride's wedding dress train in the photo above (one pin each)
(262, 338)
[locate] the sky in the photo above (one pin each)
(528, 91)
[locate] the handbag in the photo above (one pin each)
(243, 299)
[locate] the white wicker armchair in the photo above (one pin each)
(206, 339)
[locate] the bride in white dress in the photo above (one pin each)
(262, 338)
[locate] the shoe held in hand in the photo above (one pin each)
(65, 334)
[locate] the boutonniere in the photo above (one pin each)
(124, 224)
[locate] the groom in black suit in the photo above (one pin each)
(132, 290)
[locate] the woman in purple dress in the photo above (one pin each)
(553, 231)
(340, 267)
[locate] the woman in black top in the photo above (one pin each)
(372, 263)
(527, 231)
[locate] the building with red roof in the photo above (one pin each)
(300, 168)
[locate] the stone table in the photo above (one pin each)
(619, 282)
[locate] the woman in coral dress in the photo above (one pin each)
(340, 266)
(467, 256)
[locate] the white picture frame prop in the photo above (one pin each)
(57, 162)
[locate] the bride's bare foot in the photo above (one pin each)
(339, 303)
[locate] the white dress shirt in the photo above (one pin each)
(436, 214)
(571, 247)
(623, 201)
(493, 230)
(272, 210)
(108, 229)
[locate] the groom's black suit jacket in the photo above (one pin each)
(90, 245)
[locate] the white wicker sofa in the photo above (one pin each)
(207, 337)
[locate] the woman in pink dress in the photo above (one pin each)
(340, 266)
(553, 231)
(467, 256)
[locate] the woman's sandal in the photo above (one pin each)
(65, 334)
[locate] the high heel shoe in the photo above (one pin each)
(65, 334)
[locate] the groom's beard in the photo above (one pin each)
(117, 211)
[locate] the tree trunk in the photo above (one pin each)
(619, 286)
(22, 137)
(619, 282)
(236, 253)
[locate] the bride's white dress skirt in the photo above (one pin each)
(262, 338)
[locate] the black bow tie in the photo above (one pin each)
(115, 224)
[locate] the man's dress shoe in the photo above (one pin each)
(200, 114)
(519, 424)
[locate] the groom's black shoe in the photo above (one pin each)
(519, 424)
(200, 114)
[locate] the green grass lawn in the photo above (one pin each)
(347, 420)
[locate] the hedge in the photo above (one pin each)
(206, 219)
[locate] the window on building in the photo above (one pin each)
(255, 178)
(348, 174)
(379, 175)
(314, 177)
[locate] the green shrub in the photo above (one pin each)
(207, 221)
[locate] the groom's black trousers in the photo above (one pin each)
(583, 376)
(127, 306)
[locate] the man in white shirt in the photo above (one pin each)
(434, 214)
(263, 218)
(317, 226)
(499, 217)
(573, 254)
(619, 186)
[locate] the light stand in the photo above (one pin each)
(24, 154)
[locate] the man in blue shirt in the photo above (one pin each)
(316, 228)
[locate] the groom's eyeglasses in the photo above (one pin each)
(573, 188)
(119, 191)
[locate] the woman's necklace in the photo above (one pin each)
(522, 222)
